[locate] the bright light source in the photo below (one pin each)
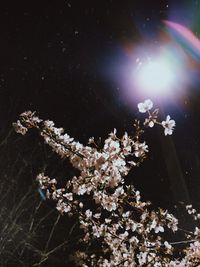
(160, 72)
(155, 76)
(160, 76)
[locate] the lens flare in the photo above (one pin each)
(185, 37)
(159, 75)
(155, 76)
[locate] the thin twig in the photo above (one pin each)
(52, 231)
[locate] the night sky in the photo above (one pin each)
(60, 58)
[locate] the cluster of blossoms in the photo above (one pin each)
(168, 124)
(118, 228)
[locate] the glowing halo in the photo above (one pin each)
(161, 75)
(156, 76)
(160, 71)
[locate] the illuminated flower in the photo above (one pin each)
(152, 118)
(140, 149)
(150, 122)
(145, 106)
(19, 128)
(142, 257)
(63, 207)
(167, 245)
(68, 196)
(109, 203)
(169, 125)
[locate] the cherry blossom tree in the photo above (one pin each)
(118, 227)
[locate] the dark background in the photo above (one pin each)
(53, 59)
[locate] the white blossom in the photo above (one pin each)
(167, 245)
(63, 207)
(145, 106)
(19, 128)
(68, 196)
(168, 125)
(140, 149)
